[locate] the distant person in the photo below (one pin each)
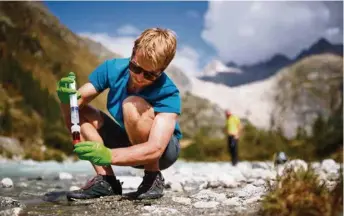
(144, 103)
(233, 130)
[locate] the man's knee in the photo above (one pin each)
(91, 115)
(138, 118)
(136, 108)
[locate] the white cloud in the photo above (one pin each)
(128, 30)
(247, 32)
(187, 58)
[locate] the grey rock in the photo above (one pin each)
(293, 164)
(203, 204)
(7, 202)
(6, 183)
(182, 200)
(64, 176)
(23, 184)
(235, 201)
(153, 210)
(11, 212)
(175, 186)
(329, 166)
(259, 182)
(250, 191)
(209, 195)
(221, 181)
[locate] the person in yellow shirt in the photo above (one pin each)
(233, 130)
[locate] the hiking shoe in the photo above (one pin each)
(152, 187)
(97, 187)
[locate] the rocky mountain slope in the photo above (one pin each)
(300, 87)
(99, 50)
(309, 88)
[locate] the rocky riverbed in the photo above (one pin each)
(191, 188)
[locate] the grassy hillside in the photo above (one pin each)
(42, 45)
(36, 50)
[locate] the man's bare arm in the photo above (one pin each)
(147, 152)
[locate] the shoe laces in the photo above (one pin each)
(89, 183)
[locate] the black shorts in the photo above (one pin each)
(116, 137)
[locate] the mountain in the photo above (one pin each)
(217, 66)
(310, 87)
(36, 50)
(200, 113)
(289, 99)
(99, 50)
(246, 74)
(265, 69)
(179, 78)
(322, 46)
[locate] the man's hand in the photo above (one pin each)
(63, 90)
(94, 152)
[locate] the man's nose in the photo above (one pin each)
(140, 77)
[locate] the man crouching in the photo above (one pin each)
(145, 104)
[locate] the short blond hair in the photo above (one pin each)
(157, 46)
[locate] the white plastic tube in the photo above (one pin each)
(74, 109)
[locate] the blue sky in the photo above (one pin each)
(185, 18)
(242, 32)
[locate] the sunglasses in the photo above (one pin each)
(151, 76)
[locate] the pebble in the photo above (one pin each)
(203, 204)
(6, 183)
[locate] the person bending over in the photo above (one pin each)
(144, 104)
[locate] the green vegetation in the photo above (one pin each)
(258, 144)
(204, 148)
(300, 192)
(31, 114)
(35, 51)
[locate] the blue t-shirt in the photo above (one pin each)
(114, 74)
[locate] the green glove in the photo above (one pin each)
(63, 90)
(94, 152)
